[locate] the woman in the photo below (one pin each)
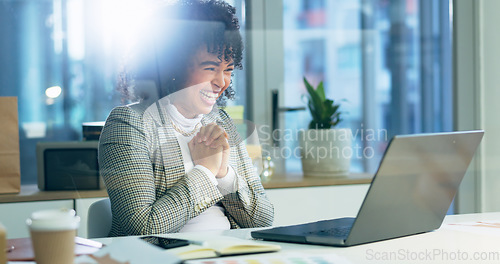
(176, 163)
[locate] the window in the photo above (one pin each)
(387, 62)
(55, 69)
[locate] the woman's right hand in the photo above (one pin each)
(208, 157)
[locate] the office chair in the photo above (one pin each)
(99, 219)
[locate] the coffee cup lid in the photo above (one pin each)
(52, 220)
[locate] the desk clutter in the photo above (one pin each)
(134, 250)
(52, 239)
(129, 250)
(21, 249)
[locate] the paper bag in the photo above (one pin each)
(10, 168)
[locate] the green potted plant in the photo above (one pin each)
(325, 149)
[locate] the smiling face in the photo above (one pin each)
(208, 77)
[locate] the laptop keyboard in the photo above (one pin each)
(339, 231)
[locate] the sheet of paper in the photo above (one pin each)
(128, 251)
(479, 227)
(282, 258)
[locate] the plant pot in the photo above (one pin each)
(325, 152)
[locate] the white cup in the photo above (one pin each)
(53, 235)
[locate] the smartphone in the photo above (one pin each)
(165, 242)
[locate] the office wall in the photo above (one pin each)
(489, 47)
(477, 77)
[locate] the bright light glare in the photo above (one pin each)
(53, 92)
(76, 29)
(124, 18)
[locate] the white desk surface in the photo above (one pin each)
(448, 244)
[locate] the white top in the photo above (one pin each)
(213, 218)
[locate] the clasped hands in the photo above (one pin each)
(210, 148)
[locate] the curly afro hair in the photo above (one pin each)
(180, 29)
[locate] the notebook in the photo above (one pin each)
(222, 246)
(411, 192)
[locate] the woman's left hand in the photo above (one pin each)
(214, 136)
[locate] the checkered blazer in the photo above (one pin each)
(150, 192)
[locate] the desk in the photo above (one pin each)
(445, 245)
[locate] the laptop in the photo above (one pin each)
(411, 192)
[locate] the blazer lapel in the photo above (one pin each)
(171, 155)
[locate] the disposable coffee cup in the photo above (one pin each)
(53, 235)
